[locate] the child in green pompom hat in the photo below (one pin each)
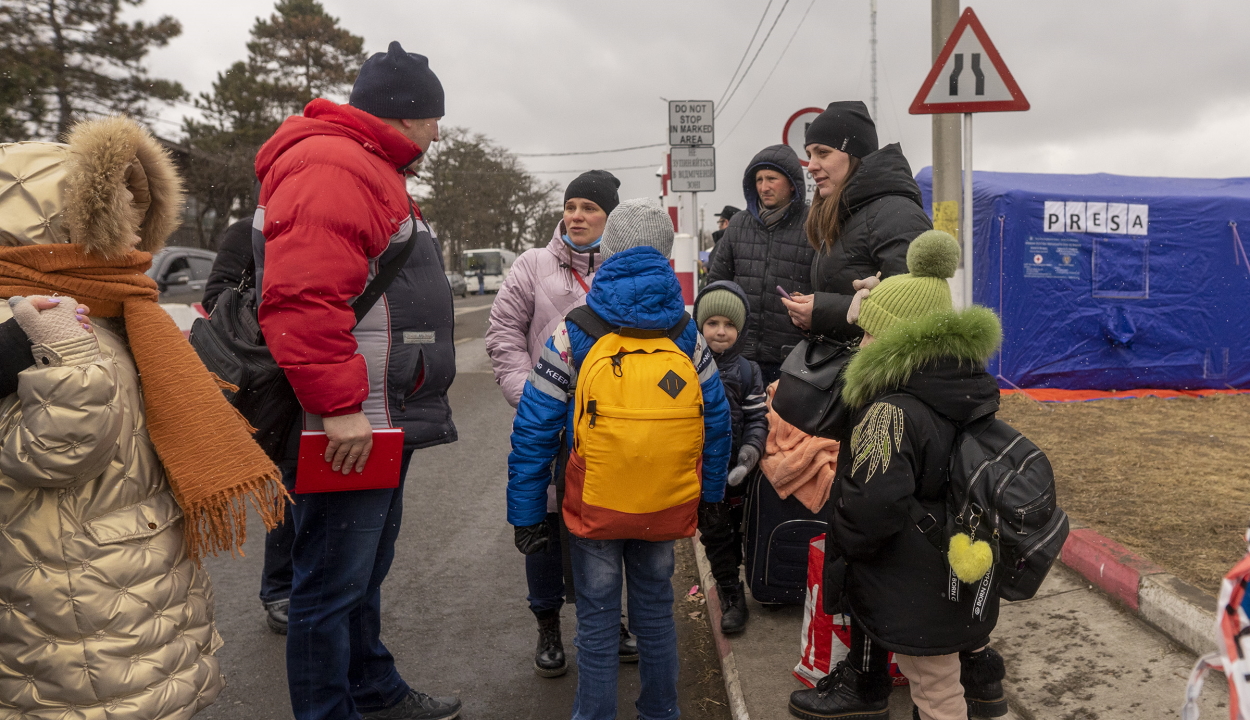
(918, 377)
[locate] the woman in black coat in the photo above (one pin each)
(866, 212)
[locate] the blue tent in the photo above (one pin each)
(1109, 282)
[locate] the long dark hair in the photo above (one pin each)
(824, 221)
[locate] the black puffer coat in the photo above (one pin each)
(883, 215)
(759, 259)
(896, 581)
(15, 356)
(744, 385)
(234, 258)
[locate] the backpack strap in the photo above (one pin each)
(386, 275)
(596, 327)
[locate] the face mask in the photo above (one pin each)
(593, 247)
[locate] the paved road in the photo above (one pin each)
(454, 604)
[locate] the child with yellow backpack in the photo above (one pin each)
(631, 385)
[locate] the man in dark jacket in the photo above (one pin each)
(920, 374)
(334, 208)
(764, 247)
(234, 259)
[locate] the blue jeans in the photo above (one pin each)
(597, 576)
(544, 573)
(275, 574)
(336, 664)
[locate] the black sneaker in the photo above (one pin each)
(276, 615)
(981, 674)
(549, 660)
(844, 694)
(733, 608)
(418, 706)
(628, 651)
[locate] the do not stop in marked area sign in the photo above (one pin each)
(690, 122)
(693, 169)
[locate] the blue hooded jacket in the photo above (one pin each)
(635, 288)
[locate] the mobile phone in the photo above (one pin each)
(782, 291)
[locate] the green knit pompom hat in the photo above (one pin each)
(931, 259)
(725, 303)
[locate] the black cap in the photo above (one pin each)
(728, 212)
(597, 186)
(398, 84)
(844, 126)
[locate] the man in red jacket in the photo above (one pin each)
(334, 209)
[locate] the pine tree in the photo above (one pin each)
(61, 60)
(304, 53)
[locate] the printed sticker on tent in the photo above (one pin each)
(1053, 217)
(1117, 218)
(1075, 217)
(1052, 258)
(1121, 268)
(1096, 217)
(1138, 219)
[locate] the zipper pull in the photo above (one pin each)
(616, 365)
(591, 408)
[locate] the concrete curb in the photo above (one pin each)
(1179, 610)
(729, 667)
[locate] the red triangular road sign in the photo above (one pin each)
(961, 80)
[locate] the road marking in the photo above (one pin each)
(462, 341)
(465, 310)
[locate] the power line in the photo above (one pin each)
(750, 65)
(629, 167)
(591, 152)
(745, 52)
(770, 72)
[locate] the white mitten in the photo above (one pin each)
(56, 335)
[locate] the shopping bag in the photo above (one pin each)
(825, 638)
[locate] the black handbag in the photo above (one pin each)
(231, 345)
(809, 393)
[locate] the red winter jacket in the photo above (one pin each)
(333, 197)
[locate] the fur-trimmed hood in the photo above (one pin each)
(109, 181)
(941, 355)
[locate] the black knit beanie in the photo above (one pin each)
(597, 186)
(399, 85)
(844, 126)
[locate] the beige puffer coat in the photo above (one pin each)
(102, 614)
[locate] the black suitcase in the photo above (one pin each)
(776, 533)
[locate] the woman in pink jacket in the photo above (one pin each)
(544, 285)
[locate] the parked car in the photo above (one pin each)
(181, 273)
(458, 285)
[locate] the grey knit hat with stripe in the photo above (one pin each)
(637, 223)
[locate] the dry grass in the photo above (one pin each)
(1167, 478)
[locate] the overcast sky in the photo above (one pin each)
(1140, 87)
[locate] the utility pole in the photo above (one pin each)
(872, 16)
(947, 180)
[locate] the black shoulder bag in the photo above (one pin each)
(231, 345)
(809, 393)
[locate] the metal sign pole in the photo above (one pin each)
(967, 211)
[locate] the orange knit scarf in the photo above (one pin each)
(212, 462)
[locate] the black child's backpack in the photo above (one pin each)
(1002, 490)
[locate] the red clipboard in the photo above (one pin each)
(315, 475)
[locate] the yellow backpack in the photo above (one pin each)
(635, 465)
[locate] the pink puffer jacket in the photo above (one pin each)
(541, 289)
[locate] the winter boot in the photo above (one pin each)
(276, 615)
(733, 608)
(549, 660)
(628, 650)
(981, 674)
(844, 694)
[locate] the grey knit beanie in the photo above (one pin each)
(637, 223)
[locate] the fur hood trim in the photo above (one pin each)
(109, 157)
(973, 335)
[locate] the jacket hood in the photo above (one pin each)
(782, 158)
(637, 288)
(110, 181)
(322, 117)
(733, 287)
(884, 172)
(939, 357)
(584, 263)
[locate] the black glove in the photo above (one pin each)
(712, 515)
(532, 538)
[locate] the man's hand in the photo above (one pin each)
(351, 441)
(852, 313)
(800, 310)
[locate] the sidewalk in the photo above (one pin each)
(1072, 653)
